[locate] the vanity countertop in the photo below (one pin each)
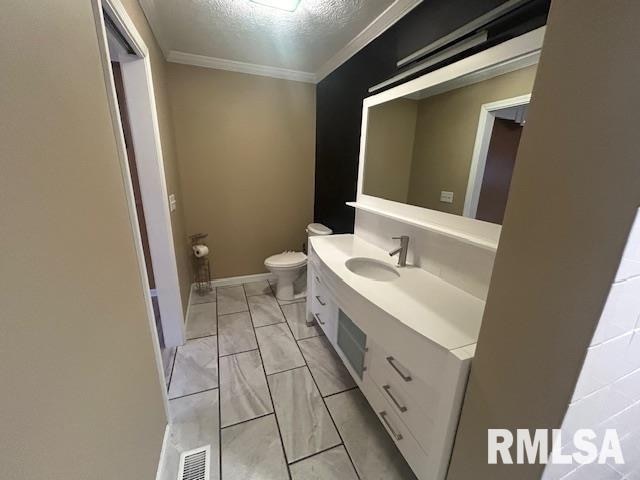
(422, 301)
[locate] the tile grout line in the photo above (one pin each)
(325, 450)
(270, 325)
(237, 353)
(231, 313)
(342, 391)
(273, 405)
(248, 420)
(323, 400)
(287, 370)
(192, 394)
(204, 336)
(308, 338)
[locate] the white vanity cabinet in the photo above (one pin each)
(414, 384)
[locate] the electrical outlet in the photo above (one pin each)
(446, 197)
(172, 202)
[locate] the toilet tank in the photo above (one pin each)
(314, 229)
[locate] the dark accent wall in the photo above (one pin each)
(339, 96)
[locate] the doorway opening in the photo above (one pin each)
(167, 353)
(497, 140)
(129, 87)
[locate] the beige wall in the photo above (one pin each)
(573, 198)
(246, 146)
(80, 390)
(446, 130)
(158, 68)
(390, 135)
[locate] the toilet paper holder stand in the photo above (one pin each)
(201, 266)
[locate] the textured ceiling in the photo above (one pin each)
(243, 31)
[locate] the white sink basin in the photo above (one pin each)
(372, 269)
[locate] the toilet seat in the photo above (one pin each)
(287, 259)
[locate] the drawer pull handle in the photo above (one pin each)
(383, 416)
(320, 300)
(387, 389)
(392, 362)
(317, 317)
(318, 279)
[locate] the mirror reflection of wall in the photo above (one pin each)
(419, 148)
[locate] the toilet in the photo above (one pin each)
(288, 267)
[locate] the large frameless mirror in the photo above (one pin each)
(451, 147)
(440, 151)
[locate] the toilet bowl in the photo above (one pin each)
(290, 267)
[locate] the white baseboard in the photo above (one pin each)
(256, 277)
(163, 452)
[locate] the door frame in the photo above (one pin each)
(481, 149)
(140, 102)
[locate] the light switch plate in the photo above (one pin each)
(446, 197)
(172, 202)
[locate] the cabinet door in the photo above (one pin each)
(352, 342)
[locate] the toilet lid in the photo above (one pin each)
(318, 229)
(286, 259)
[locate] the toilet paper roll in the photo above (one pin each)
(200, 250)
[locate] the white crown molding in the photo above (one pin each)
(384, 21)
(377, 27)
(242, 67)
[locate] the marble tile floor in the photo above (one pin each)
(264, 310)
(201, 321)
(271, 398)
(205, 297)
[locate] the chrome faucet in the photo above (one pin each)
(402, 250)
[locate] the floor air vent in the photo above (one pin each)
(195, 464)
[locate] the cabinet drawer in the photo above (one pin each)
(415, 412)
(417, 458)
(426, 394)
(326, 317)
(324, 311)
(321, 299)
